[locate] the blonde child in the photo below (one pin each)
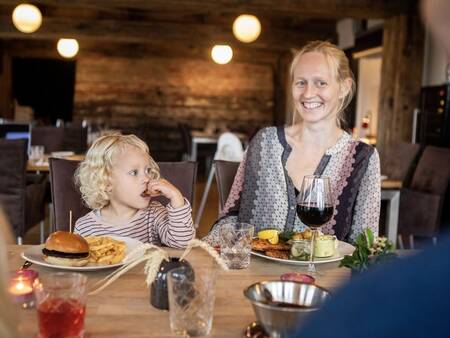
(117, 180)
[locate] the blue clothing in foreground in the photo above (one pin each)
(408, 297)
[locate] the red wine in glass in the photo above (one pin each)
(314, 216)
(314, 207)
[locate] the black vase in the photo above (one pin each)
(159, 296)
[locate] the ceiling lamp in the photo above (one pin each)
(221, 54)
(67, 47)
(27, 18)
(246, 28)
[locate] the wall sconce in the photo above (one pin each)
(67, 47)
(246, 28)
(27, 18)
(221, 54)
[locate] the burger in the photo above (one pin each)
(65, 248)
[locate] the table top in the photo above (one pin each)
(391, 184)
(44, 165)
(123, 308)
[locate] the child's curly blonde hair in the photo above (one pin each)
(93, 174)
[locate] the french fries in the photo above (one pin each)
(105, 250)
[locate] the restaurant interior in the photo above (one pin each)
(196, 80)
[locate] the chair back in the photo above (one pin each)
(398, 164)
(75, 139)
(66, 196)
(432, 174)
(183, 175)
(13, 182)
(421, 205)
(52, 138)
(225, 173)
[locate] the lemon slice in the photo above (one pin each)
(267, 234)
(274, 239)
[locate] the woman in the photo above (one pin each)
(266, 183)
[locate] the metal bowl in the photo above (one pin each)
(279, 320)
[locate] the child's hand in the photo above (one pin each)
(167, 189)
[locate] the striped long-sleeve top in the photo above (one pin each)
(156, 224)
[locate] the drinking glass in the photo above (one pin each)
(191, 300)
(314, 207)
(236, 244)
(36, 153)
(61, 305)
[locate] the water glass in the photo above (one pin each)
(236, 244)
(36, 153)
(61, 305)
(191, 301)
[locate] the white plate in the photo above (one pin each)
(343, 249)
(34, 255)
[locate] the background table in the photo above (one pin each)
(123, 309)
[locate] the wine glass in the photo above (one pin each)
(314, 207)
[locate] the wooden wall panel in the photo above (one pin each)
(124, 91)
(403, 43)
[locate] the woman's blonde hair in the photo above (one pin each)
(340, 68)
(94, 173)
(8, 316)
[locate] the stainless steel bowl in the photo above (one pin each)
(280, 321)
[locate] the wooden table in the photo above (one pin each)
(123, 309)
(44, 166)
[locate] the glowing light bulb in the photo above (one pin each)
(221, 54)
(246, 28)
(67, 47)
(27, 18)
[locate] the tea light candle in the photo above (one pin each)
(21, 287)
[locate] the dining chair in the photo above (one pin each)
(52, 138)
(225, 173)
(22, 200)
(399, 162)
(421, 204)
(66, 196)
(229, 148)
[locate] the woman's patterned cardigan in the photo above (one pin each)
(263, 194)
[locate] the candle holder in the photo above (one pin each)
(21, 288)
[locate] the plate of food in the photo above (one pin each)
(294, 248)
(68, 251)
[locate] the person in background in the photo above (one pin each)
(117, 180)
(408, 297)
(268, 179)
(8, 316)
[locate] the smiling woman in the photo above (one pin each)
(264, 192)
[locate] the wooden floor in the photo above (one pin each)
(209, 215)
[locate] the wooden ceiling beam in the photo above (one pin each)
(164, 32)
(360, 9)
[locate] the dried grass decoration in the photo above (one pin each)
(153, 256)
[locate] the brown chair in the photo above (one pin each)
(52, 138)
(68, 138)
(66, 196)
(225, 173)
(183, 175)
(23, 202)
(421, 204)
(399, 162)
